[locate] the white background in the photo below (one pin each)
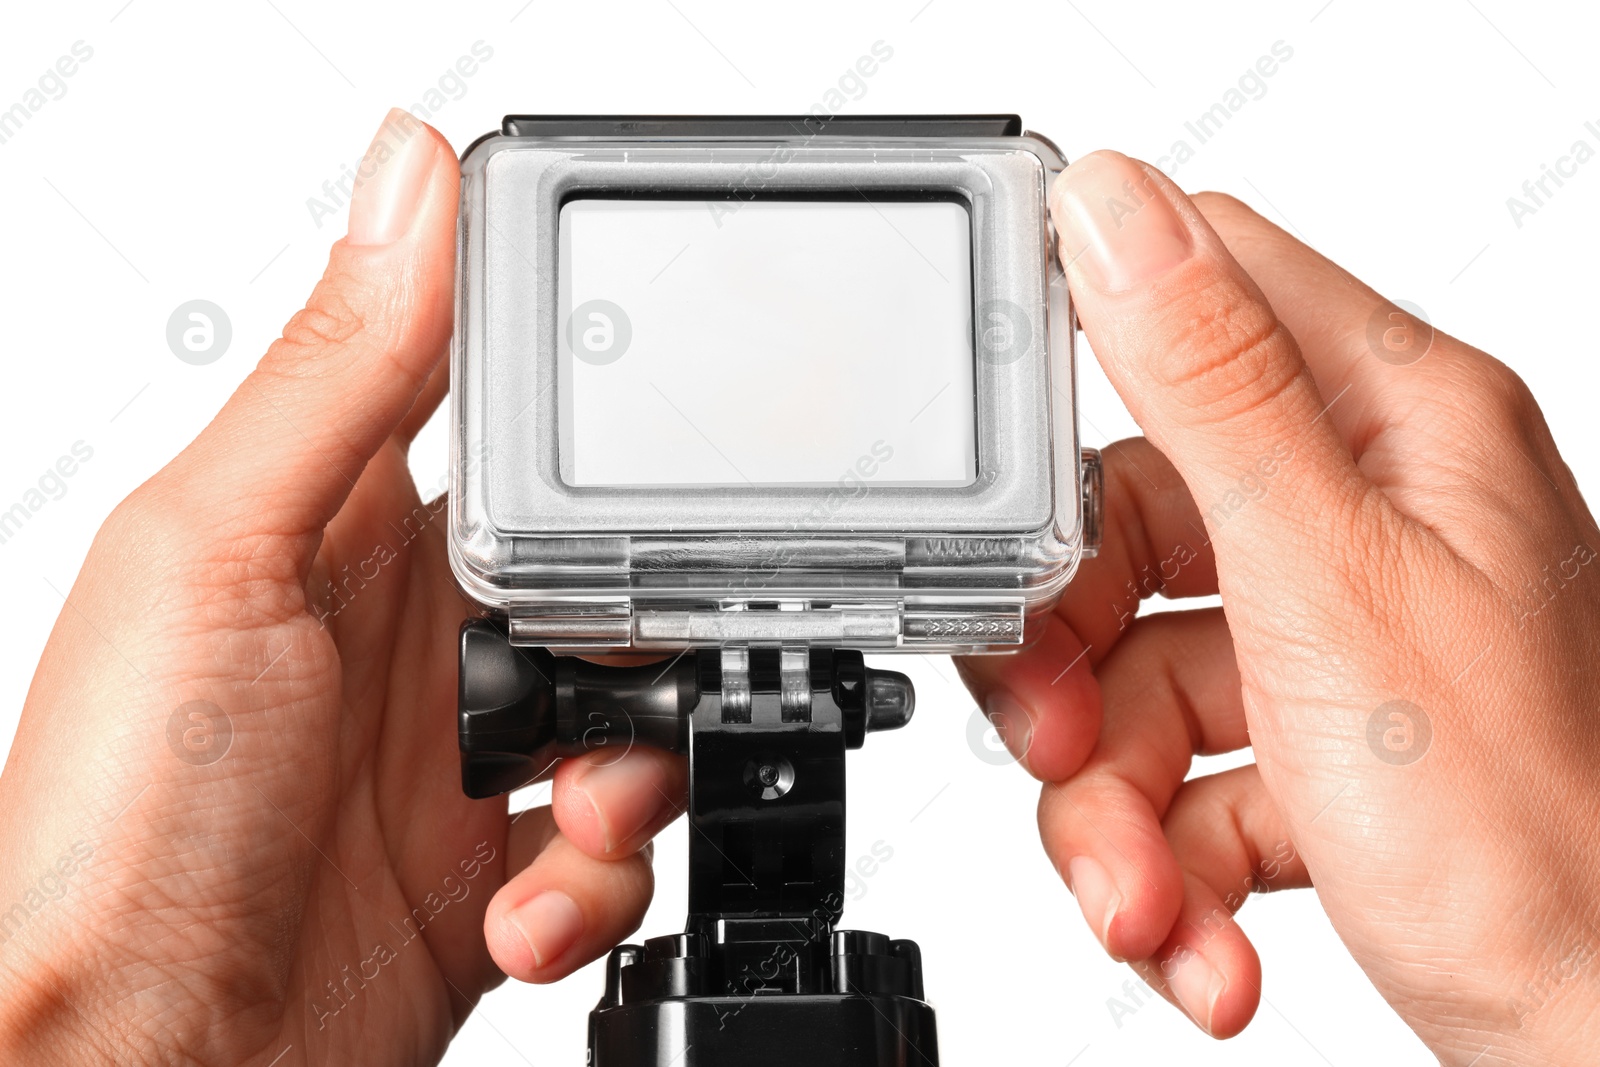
(178, 166)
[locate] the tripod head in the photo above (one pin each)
(761, 969)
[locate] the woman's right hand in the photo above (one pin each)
(1407, 640)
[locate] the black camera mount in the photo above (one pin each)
(760, 974)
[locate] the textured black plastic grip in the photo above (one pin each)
(521, 709)
(506, 714)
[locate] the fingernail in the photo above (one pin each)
(1115, 227)
(1198, 985)
(623, 800)
(390, 180)
(1097, 894)
(550, 923)
(1012, 722)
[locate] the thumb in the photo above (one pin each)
(1201, 360)
(288, 446)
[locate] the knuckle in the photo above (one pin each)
(1226, 354)
(237, 584)
(233, 575)
(333, 316)
(1500, 392)
(145, 518)
(144, 537)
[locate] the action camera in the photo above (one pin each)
(761, 394)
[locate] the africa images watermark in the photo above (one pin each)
(1399, 733)
(1539, 191)
(866, 866)
(51, 85)
(199, 733)
(199, 332)
(850, 86)
(340, 590)
(451, 86)
(756, 978)
(352, 982)
(1251, 85)
(1251, 486)
(1259, 879)
(1152, 578)
(51, 485)
(46, 889)
(852, 484)
(1551, 585)
(1538, 992)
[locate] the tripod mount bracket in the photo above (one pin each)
(761, 972)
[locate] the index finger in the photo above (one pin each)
(1042, 700)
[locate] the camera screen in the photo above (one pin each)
(770, 343)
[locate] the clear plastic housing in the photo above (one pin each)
(840, 414)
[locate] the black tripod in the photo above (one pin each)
(760, 974)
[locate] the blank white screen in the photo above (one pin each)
(768, 343)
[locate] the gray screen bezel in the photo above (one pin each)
(517, 339)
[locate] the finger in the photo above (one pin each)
(1156, 544)
(1231, 841)
(369, 559)
(565, 908)
(609, 804)
(1170, 690)
(1206, 966)
(1201, 360)
(291, 442)
(1013, 690)
(1225, 829)
(433, 393)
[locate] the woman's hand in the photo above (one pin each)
(1408, 640)
(235, 824)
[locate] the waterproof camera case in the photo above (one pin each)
(776, 391)
(802, 382)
